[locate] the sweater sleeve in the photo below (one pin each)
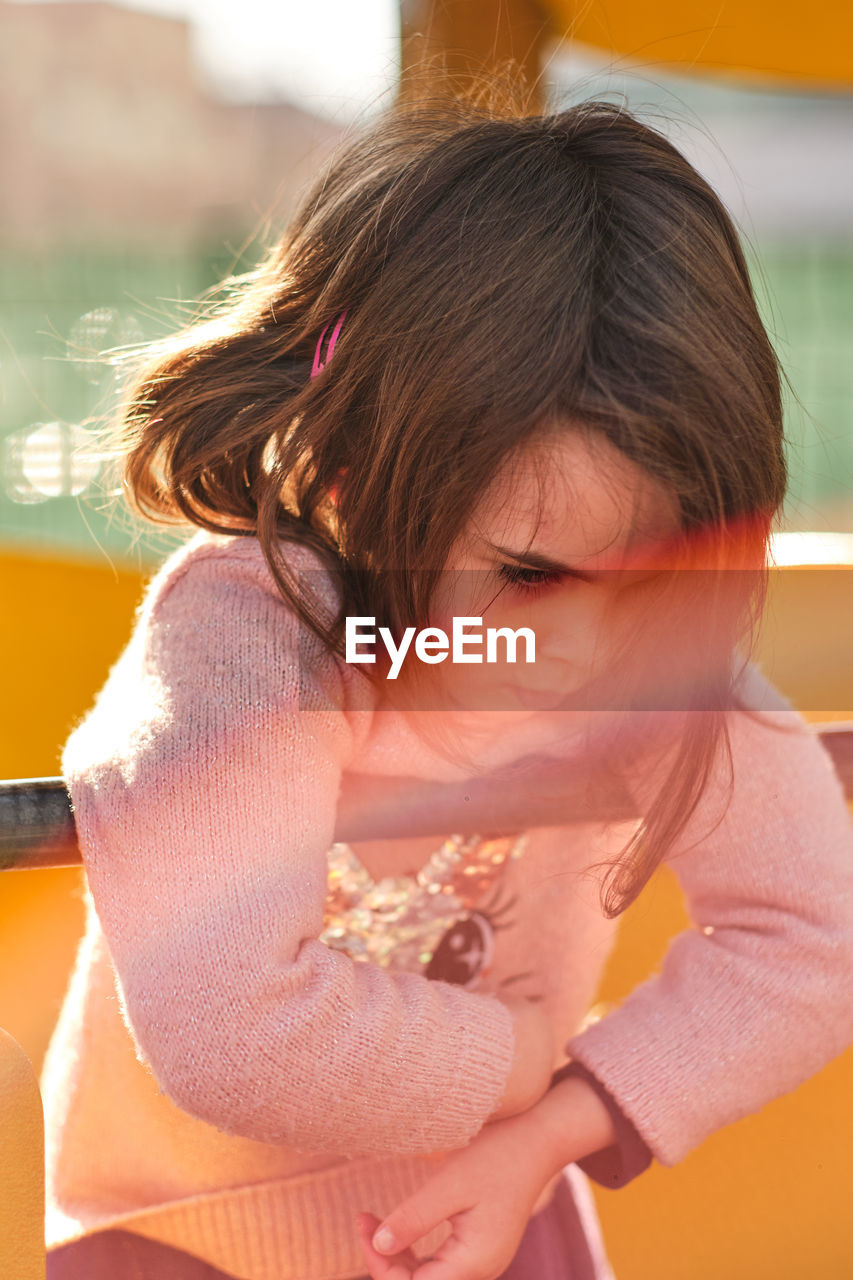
(204, 784)
(755, 997)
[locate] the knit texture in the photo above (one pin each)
(222, 1080)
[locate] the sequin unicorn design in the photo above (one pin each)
(427, 922)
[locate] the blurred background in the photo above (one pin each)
(152, 148)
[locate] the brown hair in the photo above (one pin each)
(499, 272)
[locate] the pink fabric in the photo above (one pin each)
(121, 1255)
(561, 1242)
(220, 1077)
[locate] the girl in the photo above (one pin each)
(503, 369)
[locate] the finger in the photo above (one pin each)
(463, 1254)
(400, 1266)
(479, 1245)
(432, 1204)
(364, 1225)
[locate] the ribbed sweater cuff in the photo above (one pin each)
(298, 1228)
(629, 1156)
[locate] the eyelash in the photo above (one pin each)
(528, 580)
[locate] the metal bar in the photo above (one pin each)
(37, 825)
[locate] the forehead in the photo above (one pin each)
(574, 495)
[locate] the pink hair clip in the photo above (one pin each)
(318, 364)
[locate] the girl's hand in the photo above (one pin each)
(487, 1191)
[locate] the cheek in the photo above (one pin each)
(442, 611)
(461, 593)
(575, 634)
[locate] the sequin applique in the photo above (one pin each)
(425, 923)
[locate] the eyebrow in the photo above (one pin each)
(535, 560)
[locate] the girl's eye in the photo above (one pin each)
(528, 579)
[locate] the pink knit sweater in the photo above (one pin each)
(224, 1080)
